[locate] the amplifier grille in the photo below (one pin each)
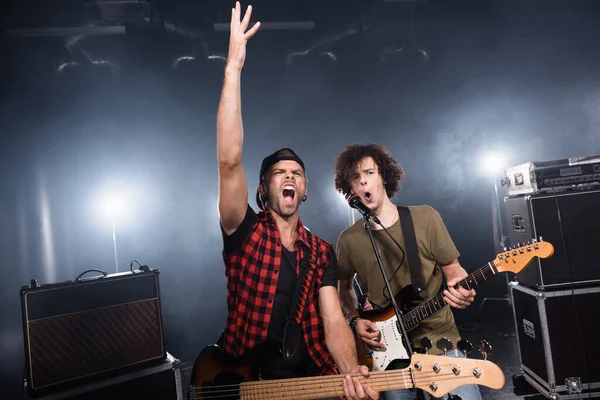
(80, 344)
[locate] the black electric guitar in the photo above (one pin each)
(219, 376)
(511, 260)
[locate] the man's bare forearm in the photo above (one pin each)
(341, 345)
(338, 335)
(230, 131)
(348, 300)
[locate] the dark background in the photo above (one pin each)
(440, 83)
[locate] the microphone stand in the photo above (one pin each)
(401, 327)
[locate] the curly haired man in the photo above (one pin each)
(370, 172)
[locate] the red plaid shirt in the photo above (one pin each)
(252, 273)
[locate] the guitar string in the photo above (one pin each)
(440, 298)
(331, 389)
(334, 377)
(382, 377)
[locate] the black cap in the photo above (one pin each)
(270, 160)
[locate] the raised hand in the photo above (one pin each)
(238, 36)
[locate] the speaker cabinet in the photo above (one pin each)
(570, 221)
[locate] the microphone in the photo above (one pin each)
(356, 203)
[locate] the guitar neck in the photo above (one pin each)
(214, 379)
(322, 386)
(425, 310)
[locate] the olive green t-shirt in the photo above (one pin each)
(355, 255)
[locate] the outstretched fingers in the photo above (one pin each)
(246, 20)
(252, 30)
(238, 25)
(236, 13)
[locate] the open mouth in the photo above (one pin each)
(289, 194)
(368, 196)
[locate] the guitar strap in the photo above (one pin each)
(412, 250)
(293, 326)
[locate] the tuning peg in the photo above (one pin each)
(419, 350)
(454, 397)
(465, 347)
(541, 239)
(485, 349)
(445, 345)
(426, 344)
(534, 240)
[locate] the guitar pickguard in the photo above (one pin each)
(392, 339)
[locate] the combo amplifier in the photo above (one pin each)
(86, 330)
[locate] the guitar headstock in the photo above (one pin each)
(517, 257)
(439, 375)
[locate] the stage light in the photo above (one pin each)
(492, 162)
(114, 205)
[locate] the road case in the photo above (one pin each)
(159, 382)
(558, 356)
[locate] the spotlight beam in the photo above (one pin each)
(114, 206)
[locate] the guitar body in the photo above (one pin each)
(385, 319)
(404, 300)
(214, 367)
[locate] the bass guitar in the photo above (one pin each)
(217, 375)
(512, 260)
